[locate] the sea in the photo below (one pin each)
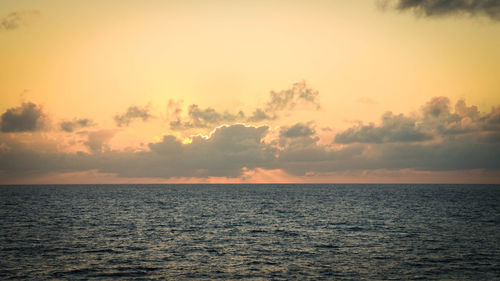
(250, 232)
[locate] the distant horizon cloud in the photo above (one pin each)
(436, 138)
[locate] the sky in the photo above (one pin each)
(318, 91)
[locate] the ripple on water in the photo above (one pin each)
(250, 232)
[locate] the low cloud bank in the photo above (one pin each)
(436, 138)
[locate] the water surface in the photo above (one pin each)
(279, 232)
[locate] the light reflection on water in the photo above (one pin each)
(246, 232)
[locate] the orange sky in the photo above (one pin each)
(87, 86)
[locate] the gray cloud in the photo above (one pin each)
(231, 150)
(97, 141)
(225, 153)
(299, 94)
(28, 117)
(462, 153)
(133, 112)
(492, 120)
(432, 8)
(260, 115)
(297, 130)
(15, 20)
(205, 118)
(394, 128)
(76, 124)
(435, 120)
(437, 107)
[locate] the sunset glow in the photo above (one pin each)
(248, 92)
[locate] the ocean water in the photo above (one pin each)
(250, 232)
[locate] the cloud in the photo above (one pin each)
(458, 140)
(434, 8)
(300, 94)
(97, 141)
(297, 130)
(435, 120)
(393, 128)
(224, 153)
(437, 107)
(492, 120)
(28, 117)
(228, 151)
(260, 115)
(15, 20)
(205, 118)
(70, 126)
(133, 112)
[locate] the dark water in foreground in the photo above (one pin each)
(278, 232)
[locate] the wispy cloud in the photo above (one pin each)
(300, 94)
(204, 118)
(132, 113)
(76, 124)
(18, 19)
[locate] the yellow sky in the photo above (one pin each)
(232, 53)
(94, 59)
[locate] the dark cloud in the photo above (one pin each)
(15, 20)
(76, 124)
(28, 117)
(133, 112)
(431, 8)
